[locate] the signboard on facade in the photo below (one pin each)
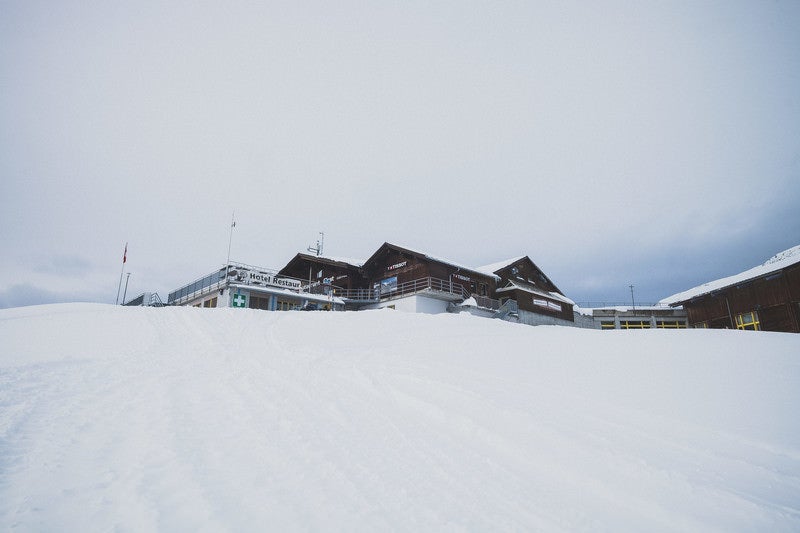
(389, 285)
(239, 300)
(261, 278)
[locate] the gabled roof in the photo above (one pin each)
(501, 265)
(342, 261)
(778, 262)
(428, 256)
(494, 267)
(302, 259)
(526, 287)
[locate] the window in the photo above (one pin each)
(258, 302)
(607, 324)
(670, 324)
(701, 325)
(285, 305)
(634, 324)
(210, 302)
(748, 321)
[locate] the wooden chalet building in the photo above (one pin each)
(423, 282)
(766, 297)
(323, 275)
(536, 298)
(395, 277)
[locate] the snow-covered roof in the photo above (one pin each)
(443, 260)
(780, 261)
(533, 290)
(347, 260)
(494, 267)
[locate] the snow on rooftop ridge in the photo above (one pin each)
(349, 260)
(494, 267)
(439, 259)
(780, 260)
(791, 253)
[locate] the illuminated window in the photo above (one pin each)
(670, 324)
(748, 321)
(634, 324)
(607, 324)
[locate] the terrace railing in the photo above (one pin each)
(433, 285)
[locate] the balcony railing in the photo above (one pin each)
(432, 285)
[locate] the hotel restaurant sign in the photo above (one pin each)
(261, 278)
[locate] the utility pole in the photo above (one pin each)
(632, 300)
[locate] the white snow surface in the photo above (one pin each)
(784, 259)
(185, 419)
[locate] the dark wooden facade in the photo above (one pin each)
(394, 269)
(337, 273)
(391, 261)
(773, 300)
(523, 281)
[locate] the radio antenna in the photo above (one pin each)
(320, 243)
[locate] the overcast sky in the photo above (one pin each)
(615, 143)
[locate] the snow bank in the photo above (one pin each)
(228, 419)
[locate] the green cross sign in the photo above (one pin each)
(239, 300)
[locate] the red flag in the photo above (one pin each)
(125, 254)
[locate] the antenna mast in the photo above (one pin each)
(320, 243)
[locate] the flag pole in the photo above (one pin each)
(124, 258)
(125, 292)
(230, 240)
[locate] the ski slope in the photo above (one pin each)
(183, 419)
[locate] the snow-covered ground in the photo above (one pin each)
(183, 419)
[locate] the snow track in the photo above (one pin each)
(237, 420)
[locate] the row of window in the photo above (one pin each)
(744, 321)
(256, 302)
(643, 324)
(211, 302)
(285, 305)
